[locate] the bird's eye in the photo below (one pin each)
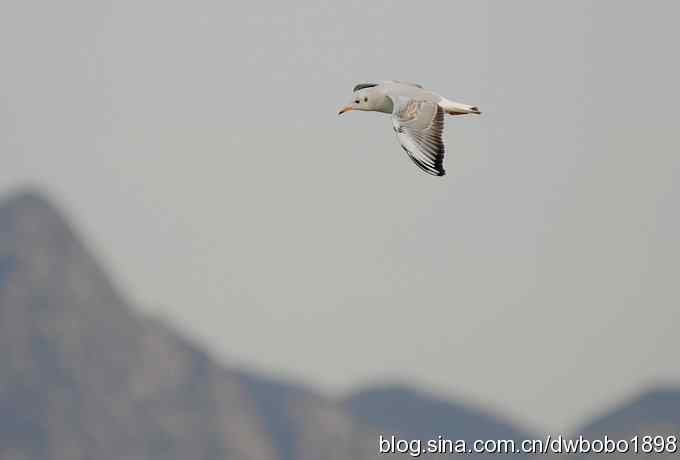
(365, 99)
(357, 101)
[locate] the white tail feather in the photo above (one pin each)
(456, 108)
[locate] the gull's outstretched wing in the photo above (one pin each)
(419, 126)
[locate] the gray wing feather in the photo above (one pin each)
(419, 126)
(407, 83)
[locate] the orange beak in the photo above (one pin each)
(345, 109)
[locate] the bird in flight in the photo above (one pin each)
(417, 118)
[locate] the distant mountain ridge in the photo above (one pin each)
(83, 376)
(409, 414)
(654, 408)
(414, 414)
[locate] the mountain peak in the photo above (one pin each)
(28, 201)
(418, 415)
(40, 251)
(27, 195)
(83, 376)
(657, 406)
(30, 223)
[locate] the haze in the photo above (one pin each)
(197, 145)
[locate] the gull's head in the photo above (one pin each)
(366, 97)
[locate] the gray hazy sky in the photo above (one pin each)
(197, 146)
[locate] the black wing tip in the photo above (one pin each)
(434, 172)
(364, 86)
(437, 171)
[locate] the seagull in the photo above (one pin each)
(417, 117)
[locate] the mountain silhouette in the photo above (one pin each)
(84, 375)
(412, 414)
(654, 408)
